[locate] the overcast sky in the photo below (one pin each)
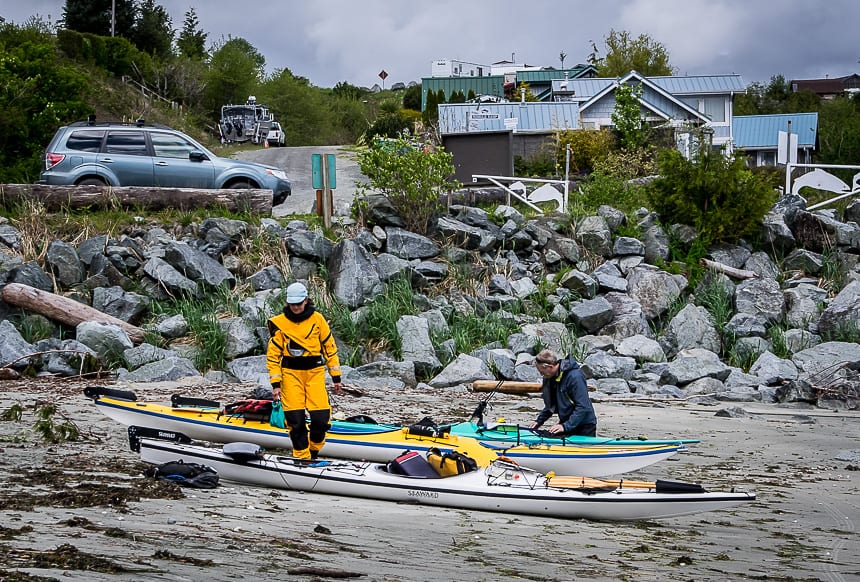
(353, 40)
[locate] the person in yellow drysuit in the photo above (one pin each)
(300, 345)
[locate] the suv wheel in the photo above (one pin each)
(240, 185)
(91, 182)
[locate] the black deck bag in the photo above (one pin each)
(412, 464)
(427, 427)
(185, 474)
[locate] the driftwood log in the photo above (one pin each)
(66, 311)
(56, 198)
(506, 387)
(730, 271)
(509, 386)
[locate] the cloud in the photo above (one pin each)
(345, 40)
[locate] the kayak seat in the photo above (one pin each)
(243, 452)
(412, 464)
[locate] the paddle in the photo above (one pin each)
(571, 482)
(482, 405)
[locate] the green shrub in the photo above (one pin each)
(411, 179)
(536, 166)
(600, 189)
(587, 148)
(716, 194)
(628, 164)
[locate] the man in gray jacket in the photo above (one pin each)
(564, 392)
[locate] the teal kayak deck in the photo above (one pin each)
(512, 433)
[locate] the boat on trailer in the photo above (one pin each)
(372, 442)
(502, 486)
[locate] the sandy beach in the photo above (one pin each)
(81, 510)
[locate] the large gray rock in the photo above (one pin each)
(592, 314)
(125, 305)
(462, 371)
(354, 278)
(166, 370)
(13, 346)
(593, 234)
(169, 279)
(32, 275)
(415, 344)
(771, 369)
(109, 341)
(241, 339)
(824, 362)
(655, 290)
(690, 365)
(409, 245)
(690, 328)
(843, 311)
(62, 260)
(383, 374)
(197, 265)
(761, 297)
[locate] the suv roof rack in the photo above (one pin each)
(139, 122)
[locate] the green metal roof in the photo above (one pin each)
(547, 75)
(488, 85)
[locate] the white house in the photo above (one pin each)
(455, 68)
(680, 102)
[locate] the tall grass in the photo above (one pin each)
(471, 331)
(374, 325)
(203, 316)
(717, 300)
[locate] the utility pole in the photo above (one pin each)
(112, 17)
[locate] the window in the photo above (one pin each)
(132, 143)
(166, 145)
(86, 140)
(714, 108)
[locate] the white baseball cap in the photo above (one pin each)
(296, 293)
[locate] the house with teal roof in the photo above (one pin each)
(758, 136)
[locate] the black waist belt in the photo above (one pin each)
(301, 362)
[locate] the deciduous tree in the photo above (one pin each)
(625, 53)
(235, 72)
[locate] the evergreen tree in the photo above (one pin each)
(153, 31)
(627, 117)
(94, 16)
(192, 39)
(431, 107)
(529, 96)
(412, 98)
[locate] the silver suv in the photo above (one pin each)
(121, 154)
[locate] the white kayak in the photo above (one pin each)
(502, 486)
